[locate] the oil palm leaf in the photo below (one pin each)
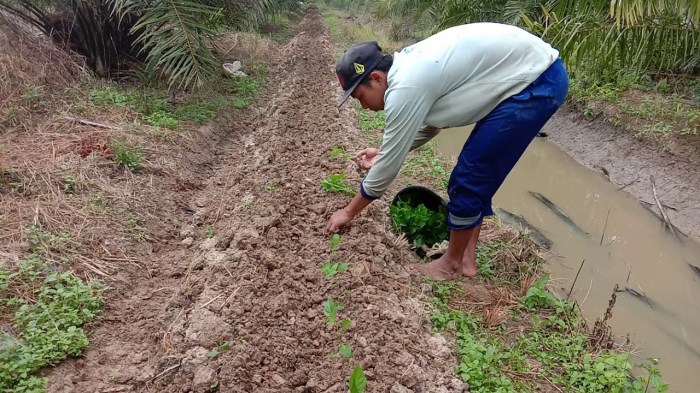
(176, 38)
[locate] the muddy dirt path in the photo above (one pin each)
(630, 163)
(243, 267)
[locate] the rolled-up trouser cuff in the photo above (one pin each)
(365, 195)
(462, 223)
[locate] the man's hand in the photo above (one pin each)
(338, 220)
(366, 158)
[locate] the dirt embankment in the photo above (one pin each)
(630, 163)
(238, 258)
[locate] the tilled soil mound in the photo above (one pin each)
(244, 268)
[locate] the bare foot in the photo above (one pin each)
(469, 268)
(440, 269)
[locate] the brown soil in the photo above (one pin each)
(630, 162)
(253, 280)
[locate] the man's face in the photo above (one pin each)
(371, 96)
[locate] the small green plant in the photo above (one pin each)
(209, 231)
(345, 324)
(214, 386)
(358, 380)
(33, 94)
(330, 310)
(331, 269)
(109, 96)
(46, 323)
(420, 224)
(271, 185)
(538, 296)
(224, 346)
(69, 183)
(337, 183)
(335, 242)
(370, 120)
(44, 244)
(338, 153)
(200, 112)
(246, 90)
(128, 156)
(345, 350)
(161, 119)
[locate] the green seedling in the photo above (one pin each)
(331, 269)
(358, 381)
(271, 185)
(420, 224)
(337, 183)
(335, 242)
(538, 296)
(218, 350)
(209, 232)
(345, 324)
(338, 153)
(330, 310)
(345, 350)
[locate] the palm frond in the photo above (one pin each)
(175, 36)
(587, 41)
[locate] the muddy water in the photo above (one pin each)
(635, 252)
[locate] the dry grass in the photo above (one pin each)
(58, 182)
(32, 72)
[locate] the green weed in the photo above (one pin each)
(490, 360)
(200, 112)
(208, 231)
(161, 119)
(127, 156)
(271, 185)
(332, 269)
(44, 244)
(425, 161)
(246, 89)
(46, 323)
(337, 183)
(370, 120)
(69, 183)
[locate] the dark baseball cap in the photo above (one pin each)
(356, 63)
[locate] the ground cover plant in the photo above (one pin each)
(420, 225)
(508, 325)
(48, 310)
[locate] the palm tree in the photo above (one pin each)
(658, 36)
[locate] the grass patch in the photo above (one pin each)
(425, 161)
(156, 111)
(47, 310)
(126, 155)
(647, 108)
(509, 341)
(371, 120)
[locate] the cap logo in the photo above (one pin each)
(359, 68)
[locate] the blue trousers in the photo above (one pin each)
(497, 143)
